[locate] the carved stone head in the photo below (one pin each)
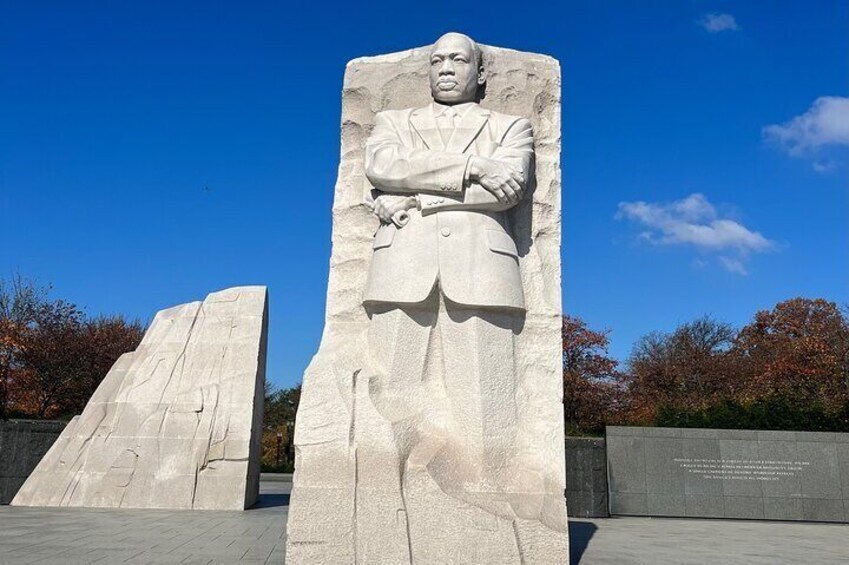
(456, 69)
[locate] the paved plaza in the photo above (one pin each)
(71, 536)
(679, 541)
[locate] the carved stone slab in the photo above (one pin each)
(738, 474)
(176, 423)
(328, 520)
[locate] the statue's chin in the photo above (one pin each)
(451, 97)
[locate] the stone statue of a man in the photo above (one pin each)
(445, 299)
(430, 430)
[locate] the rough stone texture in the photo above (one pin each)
(176, 423)
(586, 477)
(22, 445)
(327, 523)
(743, 474)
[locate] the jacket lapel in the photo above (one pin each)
(424, 124)
(467, 130)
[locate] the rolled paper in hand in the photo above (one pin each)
(400, 218)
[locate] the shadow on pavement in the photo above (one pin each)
(580, 534)
(271, 501)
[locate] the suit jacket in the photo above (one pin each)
(459, 236)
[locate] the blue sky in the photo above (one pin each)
(152, 152)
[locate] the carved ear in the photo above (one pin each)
(481, 74)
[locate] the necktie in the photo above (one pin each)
(448, 122)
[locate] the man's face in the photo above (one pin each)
(453, 70)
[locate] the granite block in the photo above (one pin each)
(629, 504)
(823, 510)
(704, 506)
(628, 475)
(741, 474)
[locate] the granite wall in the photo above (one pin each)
(22, 445)
(763, 475)
(586, 477)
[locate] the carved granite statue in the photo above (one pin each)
(176, 423)
(439, 464)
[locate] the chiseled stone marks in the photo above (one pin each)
(176, 423)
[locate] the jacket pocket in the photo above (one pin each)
(501, 242)
(383, 237)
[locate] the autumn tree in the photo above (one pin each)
(52, 357)
(19, 300)
(281, 406)
(591, 390)
(798, 353)
(689, 369)
(101, 342)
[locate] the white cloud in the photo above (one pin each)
(716, 22)
(733, 265)
(695, 222)
(824, 166)
(825, 123)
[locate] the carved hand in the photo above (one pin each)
(387, 205)
(504, 181)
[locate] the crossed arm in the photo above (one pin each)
(439, 180)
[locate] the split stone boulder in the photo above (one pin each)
(176, 423)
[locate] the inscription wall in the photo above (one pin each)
(764, 475)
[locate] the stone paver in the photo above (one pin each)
(74, 536)
(664, 541)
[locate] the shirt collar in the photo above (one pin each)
(439, 109)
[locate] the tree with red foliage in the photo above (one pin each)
(592, 394)
(19, 303)
(51, 357)
(689, 369)
(102, 341)
(798, 353)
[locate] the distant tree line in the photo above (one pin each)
(53, 356)
(788, 369)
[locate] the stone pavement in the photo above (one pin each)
(72, 536)
(679, 541)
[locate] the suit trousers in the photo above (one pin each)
(436, 406)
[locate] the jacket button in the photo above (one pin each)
(446, 231)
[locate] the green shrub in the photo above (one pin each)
(761, 415)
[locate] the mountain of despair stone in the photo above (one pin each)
(176, 423)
